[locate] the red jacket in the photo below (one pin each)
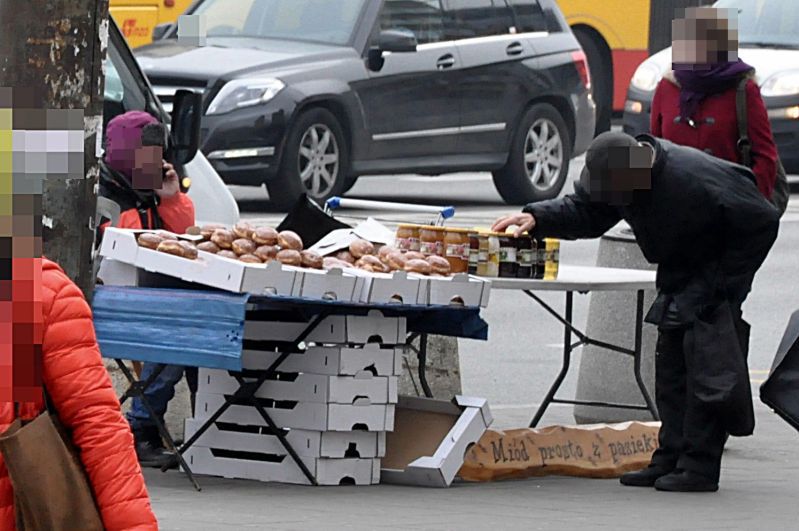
(177, 214)
(81, 390)
(716, 130)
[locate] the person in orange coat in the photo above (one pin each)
(135, 175)
(75, 377)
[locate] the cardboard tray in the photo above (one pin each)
(331, 444)
(333, 361)
(303, 387)
(336, 329)
(301, 415)
(431, 438)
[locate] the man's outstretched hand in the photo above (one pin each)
(523, 222)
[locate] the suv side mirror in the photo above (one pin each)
(186, 116)
(161, 30)
(397, 41)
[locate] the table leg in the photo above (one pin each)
(567, 350)
(422, 355)
(639, 326)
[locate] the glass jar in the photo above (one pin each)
(474, 252)
(456, 249)
(482, 255)
(407, 238)
(524, 256)
(428, 238)
(441, 244)
(552, 259)
(492, 269)
(540, 259)
(508, 266)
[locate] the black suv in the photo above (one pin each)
(307, 95)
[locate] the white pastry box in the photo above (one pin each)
(333, 285)
(333, 361)
(430, 439)
(337, 329)
(460, 290)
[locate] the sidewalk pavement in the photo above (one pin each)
(759, 487)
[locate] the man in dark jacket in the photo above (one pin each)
(704, 223)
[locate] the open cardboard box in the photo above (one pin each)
(431, 438)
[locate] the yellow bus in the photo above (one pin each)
(137, 18)
(617, 35)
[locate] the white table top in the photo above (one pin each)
(582, 278)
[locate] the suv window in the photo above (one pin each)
(479, 18)
(422, 17)
(529, 16)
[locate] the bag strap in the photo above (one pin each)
(744, 144)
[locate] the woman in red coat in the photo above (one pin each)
(695, 105)
(80, 388)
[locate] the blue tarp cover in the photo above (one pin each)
(179, 327)
(199, 328)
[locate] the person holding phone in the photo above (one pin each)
(147, 188)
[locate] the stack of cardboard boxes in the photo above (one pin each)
(334, 401)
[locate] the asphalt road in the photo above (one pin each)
(515, 367)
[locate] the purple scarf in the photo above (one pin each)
(696, 85)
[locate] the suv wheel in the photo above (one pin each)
(315, 160)
(539, 158)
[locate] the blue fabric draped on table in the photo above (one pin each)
(198, 328)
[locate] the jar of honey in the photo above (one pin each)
(456, 249)
(407, 238)
(508, 265)
(482, 255)
(428, 239)
(474, 252)
(524, 256)
(493, 255)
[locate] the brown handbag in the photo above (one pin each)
(51, 489)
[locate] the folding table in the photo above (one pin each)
(197, 328)
(583, 280)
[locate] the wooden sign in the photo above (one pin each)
(596, 451)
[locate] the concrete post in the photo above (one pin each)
(608, 376)
(54, 51)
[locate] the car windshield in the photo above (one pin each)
(767, 23)
(323, 21)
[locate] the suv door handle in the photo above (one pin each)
(445, 62)
(514, 48)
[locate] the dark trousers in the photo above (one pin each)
(691, 436)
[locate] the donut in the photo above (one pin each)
(266, 253)
(243, 229)
(208, 247)
(264, 236)
(331, 262)
(172, 247)
(250, 259)
(373, 262)
(189, 250)
(346, 256)
(149, 240)
(361, 248)
(225, 253)
(311, 260)
(396, 261)
(440, 265)
(414, 255)
(418, 266)
(194, 231)
(289, 240)
(208, 230)
(289, 257)
(223, 238)
(243, 246)
(384, 253)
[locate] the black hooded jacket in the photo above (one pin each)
(704, 223)
(116, 187)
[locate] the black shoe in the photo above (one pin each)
(645, 477)
(686, 481)
(152, 456)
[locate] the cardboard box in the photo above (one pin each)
(208, 269)
(387, 288)
(333, 361)
(116, 273)
(462, 289)
(332, 444)
(304, 387)
(301, 415)
(335, 285)
(597, 451)
(337, 329)
(281, 469)
(430, 439)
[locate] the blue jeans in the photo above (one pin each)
(158, 394)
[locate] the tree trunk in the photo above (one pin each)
(53, 52)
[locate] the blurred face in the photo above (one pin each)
(702, 37)
(628, 172)
(148, 168)
(34, 144)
